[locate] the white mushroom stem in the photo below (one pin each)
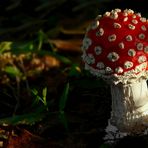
(129, 104)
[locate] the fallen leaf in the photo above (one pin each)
(72, 45)
(24, 139)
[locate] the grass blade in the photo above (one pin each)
(64, 97)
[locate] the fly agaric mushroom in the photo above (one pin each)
(115, 47)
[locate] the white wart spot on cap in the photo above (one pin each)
(90, 59)
(86, 43)
(121, 45)
(117, 25)
(141, 59)
(130, 26)
(100, 32)
(143, 19)
(107, 14)
(113, 15)
(125, 19)
(100, 65)
(129, 11)
(146, 49)
(139, 46)
(138, 14)
(143, 28)
(98, 50)
(134, 16)
(134, 21)
(128, 64)
(108, 70)
(129, 38)
(141, 36)
(119, 70)
(112, 38)
(118, 10)
(84, 56)
(98, 17)
(95, 24)
(131, 52)
(125, 13)
(113, 56)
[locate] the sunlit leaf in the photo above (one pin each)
(4, 46)
(44, 93)
(37, 98)
(12, 71)
(34, 91)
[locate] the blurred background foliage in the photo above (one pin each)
(22, 19)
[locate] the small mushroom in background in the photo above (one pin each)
(115, 47)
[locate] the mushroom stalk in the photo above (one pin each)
(129, 104)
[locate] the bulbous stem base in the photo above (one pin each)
(129, 105)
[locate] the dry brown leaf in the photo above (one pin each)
(76, 30)
(50, 62)
(25, 139)
(72, 45)
(72, 31)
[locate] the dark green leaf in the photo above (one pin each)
(63, 119)
(105, 146)
(89, 83)
(74, 70)
(26, 47)
(26, 119)
(64, 97)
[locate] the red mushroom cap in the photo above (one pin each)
(116, 44)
